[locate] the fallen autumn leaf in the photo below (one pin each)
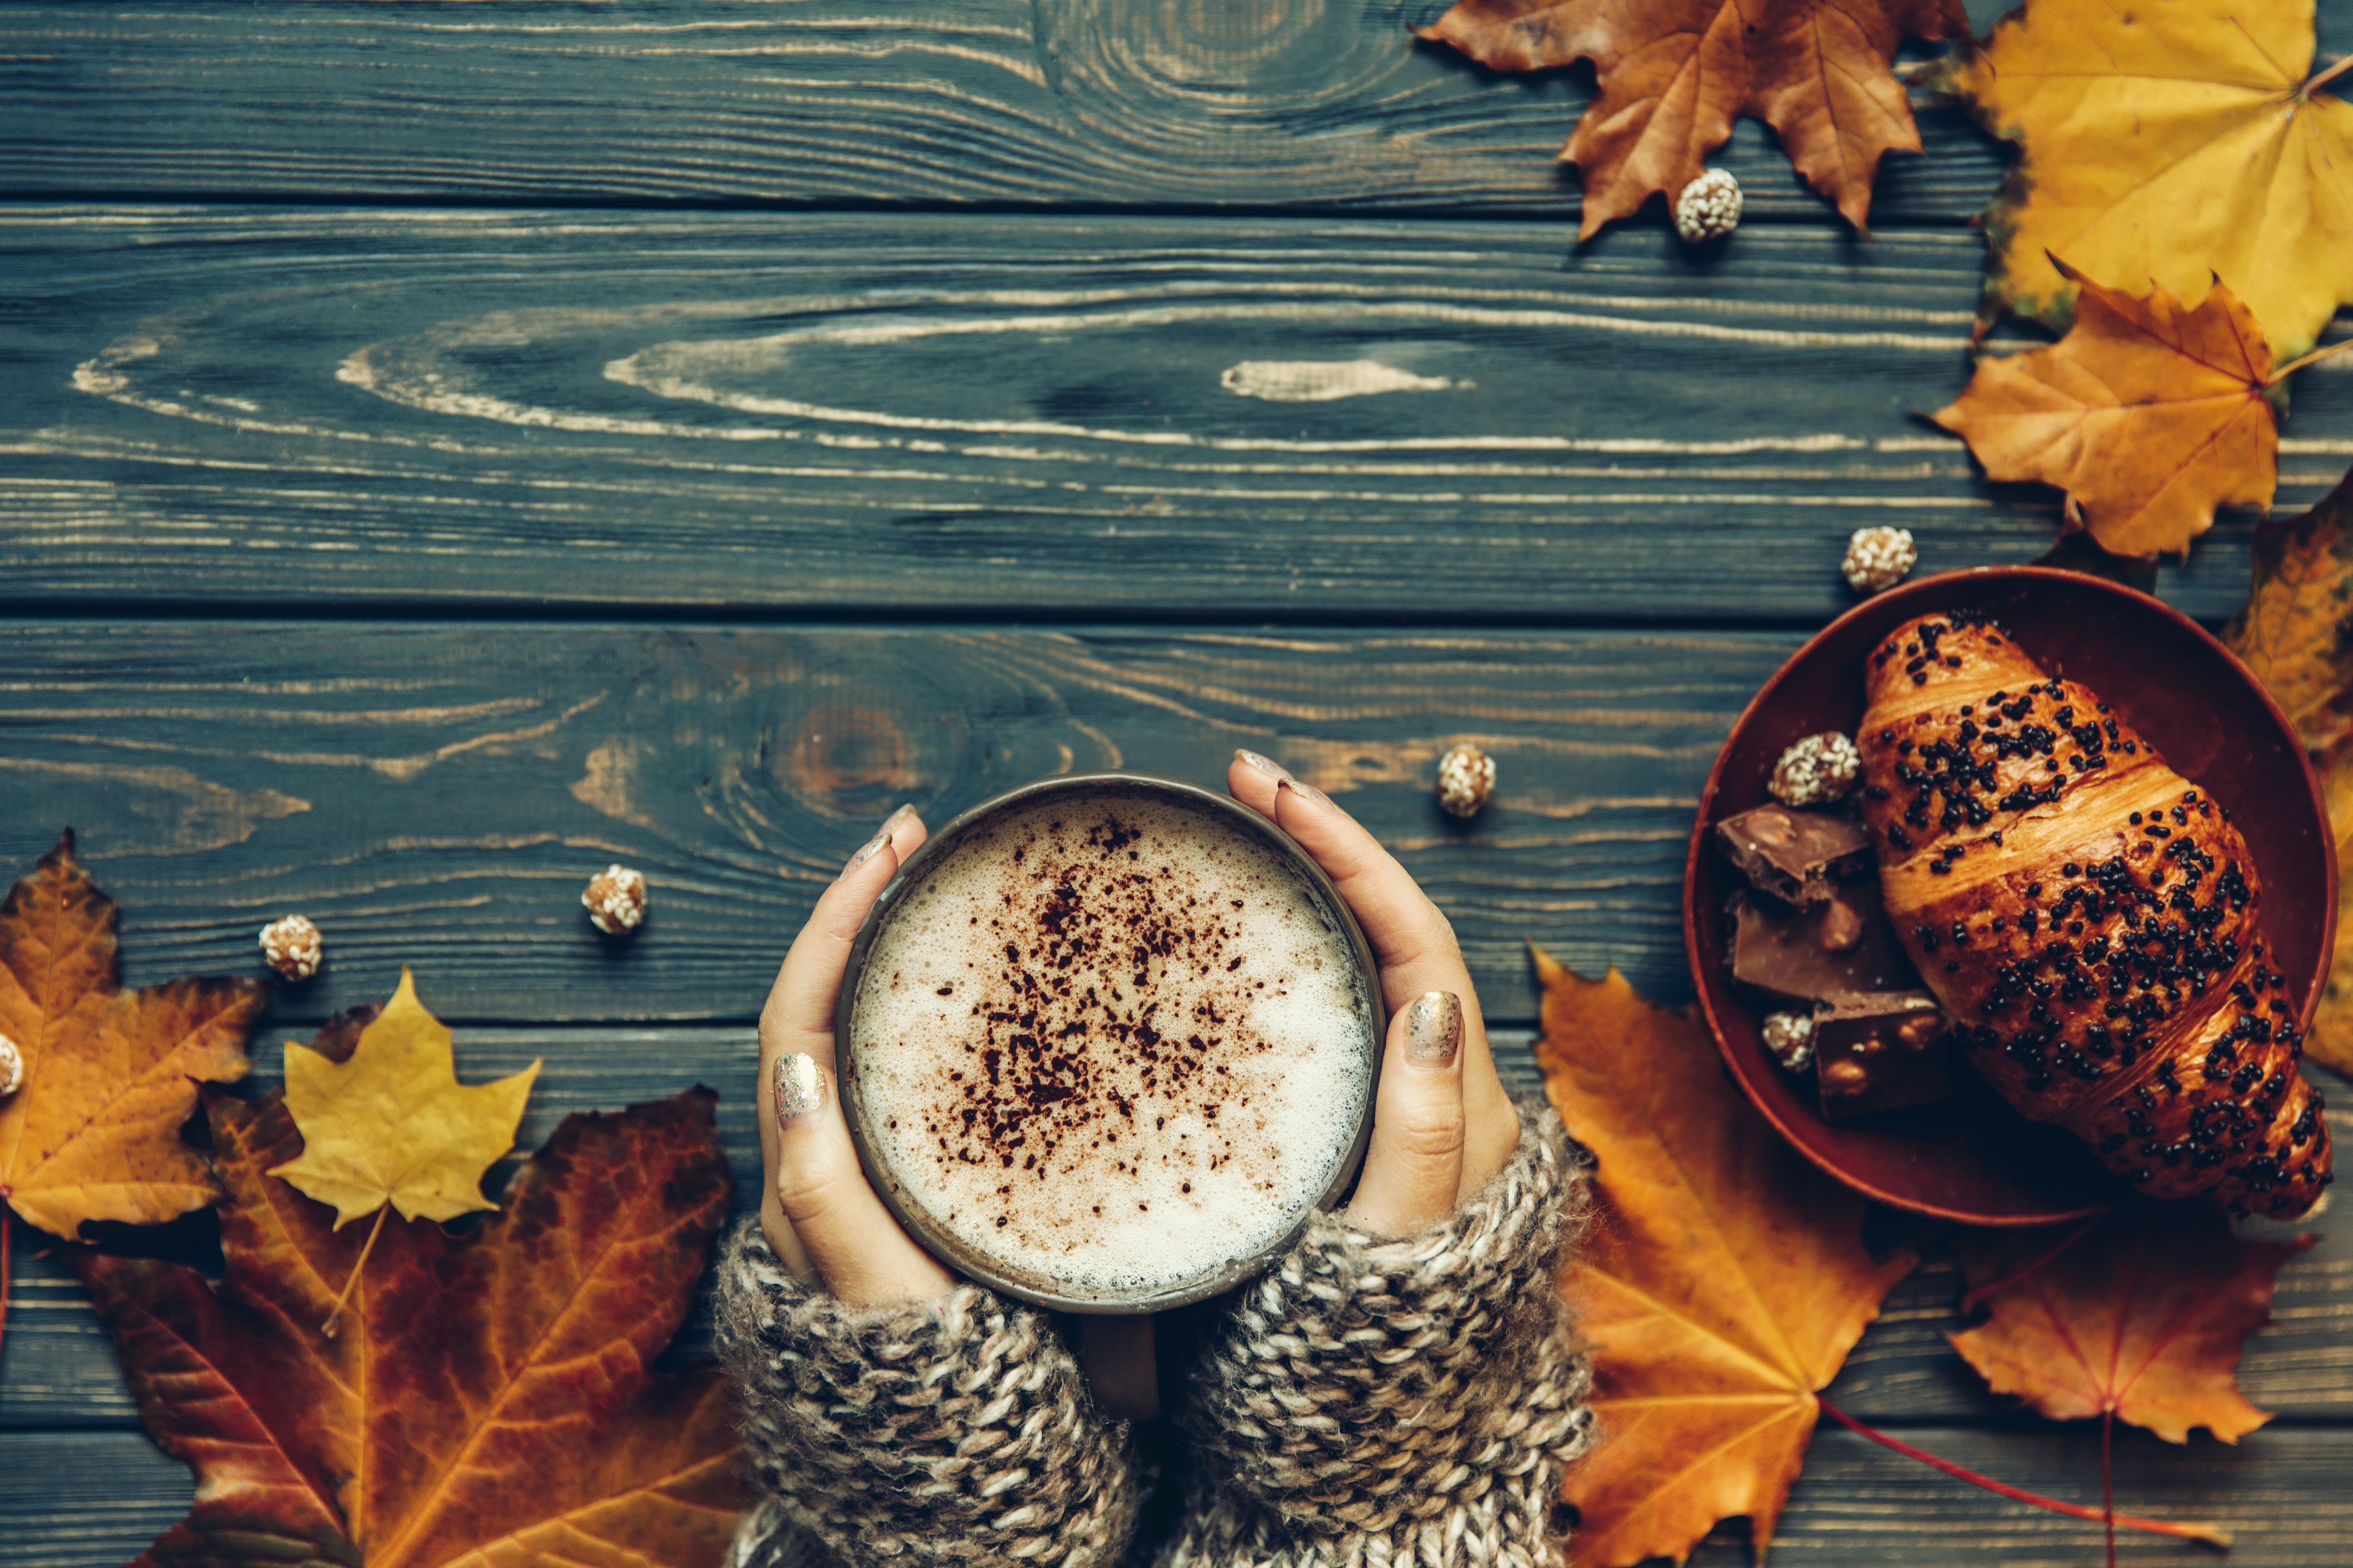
(1674, 74)
(2148, 415)
(492, 1400)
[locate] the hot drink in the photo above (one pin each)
(1112, 1041)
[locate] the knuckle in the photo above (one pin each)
(1430, 1133)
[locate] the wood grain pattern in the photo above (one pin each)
(711, 413)
(59, 1372)
(1289, 103)
(437, 796)
(92, 1499)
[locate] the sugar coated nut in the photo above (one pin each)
(1709, 207)
(1816, 770)
(616, 901)
(1790, 1037)
(12, 1068)
(1878, 558)
(1466, 778)
(291, 945)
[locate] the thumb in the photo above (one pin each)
(1413, 1167)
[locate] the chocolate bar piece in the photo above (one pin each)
(1799, 857)
(1842, 945)
(1877, 1052)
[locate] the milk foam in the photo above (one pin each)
(1113, 1043)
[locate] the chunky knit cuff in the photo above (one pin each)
(1424, 1392)
(954, 1430)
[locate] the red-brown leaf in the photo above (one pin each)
(1674, 74)
(2142, 1317)
(489, 1392)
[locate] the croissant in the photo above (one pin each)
(2089, 919)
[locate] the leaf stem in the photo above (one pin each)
(2108, 1479)
(2211, 1534)
(1984, 1293)
(2317, 354)
(328, 1328)
(2331, 74)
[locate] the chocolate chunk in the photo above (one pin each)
(1798, 857)
(1877, 1052)
(1839, 946)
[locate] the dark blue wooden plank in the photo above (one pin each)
(718, 413)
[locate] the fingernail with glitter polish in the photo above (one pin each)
(1266, 765)
(1433, 1028)
(1308, 792)
(873, 845)
(800, 1085)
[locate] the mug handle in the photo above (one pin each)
(1119, 1354)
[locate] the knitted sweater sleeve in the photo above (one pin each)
(1419, 1394)
(956, 1430)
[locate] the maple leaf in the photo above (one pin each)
(390, 1123)
(110, 1075)
(1723, 1284)
(1674, 74)
(2168, 143)
(2141, 1319)
(2148, 415)
(492, 1401)
(2296, 635)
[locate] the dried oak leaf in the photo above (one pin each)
(1723, 1282)
(2141, 1318)
(2296, 635)
(390, 1122)
(491, 1400)
(110, 1075)
(2168, 143)
(2148, 415)
(1674, 74)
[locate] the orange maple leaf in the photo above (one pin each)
(110, 1075)
(2141, 1318)
(2148, 415)
(1722, 1285)
(492, 1398)
(1674, 74)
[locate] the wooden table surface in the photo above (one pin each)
(445, 449)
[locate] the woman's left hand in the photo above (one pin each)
(1442, 1125)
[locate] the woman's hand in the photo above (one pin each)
(1442, 1126)
(818, 1213)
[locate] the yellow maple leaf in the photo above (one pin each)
(393, 1124)
(2166, 144)
(2148, 414)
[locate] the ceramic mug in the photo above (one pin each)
(1114, 1329)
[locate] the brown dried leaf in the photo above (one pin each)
(2148, 415)
(492, 1398)
(110, 1075)
(1723, 1284)
(1674, 74)
(2142, 1317)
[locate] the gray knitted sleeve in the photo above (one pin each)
(1411, 1400)
(959, 1430)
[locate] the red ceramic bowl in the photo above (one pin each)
(1972, 1158)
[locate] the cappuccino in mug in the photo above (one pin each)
(1113, 1042)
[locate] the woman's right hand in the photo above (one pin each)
(818, 1213)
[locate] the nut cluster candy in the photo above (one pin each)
(1878, 558)
(616, 900)
(1709, 207)
(1790, 1037)
(12, 1068)
(1466, 778)
(291, 945)
(1816, 770)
